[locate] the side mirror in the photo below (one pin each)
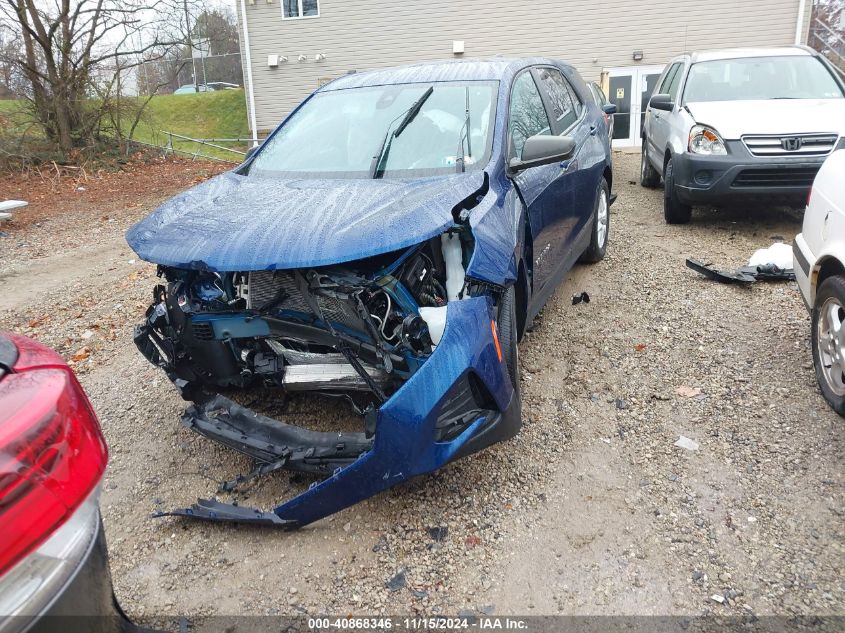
(543, 150)
(661, 102)
(609, 108)
(250, 152)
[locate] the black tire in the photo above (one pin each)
(648, 174)
(829, 351)
(674, 211)
(601, 226)
(506, 326)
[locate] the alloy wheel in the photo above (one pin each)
(601, 219)
(831, 344)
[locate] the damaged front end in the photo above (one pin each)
(405, 337)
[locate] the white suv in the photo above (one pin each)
(729, 124)
(819, 263)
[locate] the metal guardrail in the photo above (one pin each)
(171, 147)
(201, 142)
(193, 155)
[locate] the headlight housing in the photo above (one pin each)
(705, 140)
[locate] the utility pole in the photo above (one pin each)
(202, 60)
(191, 45)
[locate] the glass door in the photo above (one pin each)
(647, 78)
(621, 85)
(630, 89)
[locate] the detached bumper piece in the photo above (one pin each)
(210, 510)
(744, 276)
(270, 441)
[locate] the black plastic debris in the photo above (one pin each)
(744, 275)
(397, 582)
(438, 533)
(581, 298)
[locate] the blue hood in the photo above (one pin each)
(241, 223)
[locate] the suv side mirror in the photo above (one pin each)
(609, 108)
(543, 150)
(661, 102)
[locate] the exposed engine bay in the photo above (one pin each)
(357, 329)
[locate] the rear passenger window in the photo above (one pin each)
(672, 75)
(527, 114)
(672, 88)
(566, 107)
(663, 86)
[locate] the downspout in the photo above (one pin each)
(799, 26)
(252, 123)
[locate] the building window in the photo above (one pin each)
(292, 9)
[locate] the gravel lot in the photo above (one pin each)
(591, 509)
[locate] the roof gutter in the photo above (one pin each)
(799, 25)
(251, 92)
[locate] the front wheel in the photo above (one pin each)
(828, 335)
(674, 211)
(601, 226)
(506, 330)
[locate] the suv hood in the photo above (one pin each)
(242, 223)
(733, 119)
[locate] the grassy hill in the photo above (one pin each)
(205, 115)
(219, 114)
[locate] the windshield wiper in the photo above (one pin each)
(460, 162)
(377, 168)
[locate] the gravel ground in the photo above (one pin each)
(591, 509)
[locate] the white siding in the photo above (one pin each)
(371, 34)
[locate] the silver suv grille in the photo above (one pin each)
(791, 144)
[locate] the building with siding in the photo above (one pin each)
(291, 47)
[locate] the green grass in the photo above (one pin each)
(219, 114)
(10, 105)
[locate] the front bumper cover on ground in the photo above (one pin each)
(405, 441)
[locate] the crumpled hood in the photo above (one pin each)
(241, 223)
(733, 119)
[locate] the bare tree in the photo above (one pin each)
(75, 53)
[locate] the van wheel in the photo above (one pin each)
(828, 335)
(601, 226)
(648, 174)
(674, 211)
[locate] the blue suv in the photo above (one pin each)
(388, 244)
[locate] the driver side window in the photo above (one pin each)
(527, 115)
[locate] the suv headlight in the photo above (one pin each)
(705, 140)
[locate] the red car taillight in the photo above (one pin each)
(52, 452)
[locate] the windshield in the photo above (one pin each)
(342, 133)
(788, 77)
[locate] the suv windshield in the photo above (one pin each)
(343, 133)
(788, 77)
